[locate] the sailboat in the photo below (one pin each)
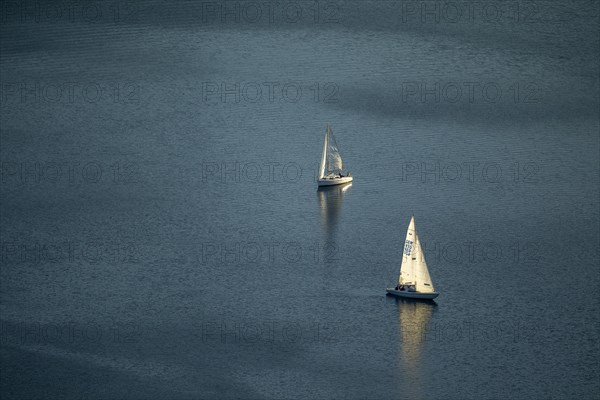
(330, 171)
(414, 280)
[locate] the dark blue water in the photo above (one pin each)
(162, 235)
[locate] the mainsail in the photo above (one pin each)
(413, 270)
(331, 162)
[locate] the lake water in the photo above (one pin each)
(163, 236)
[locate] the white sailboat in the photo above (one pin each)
(330, 171)
(414, 280)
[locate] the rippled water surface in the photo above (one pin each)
(163, 236)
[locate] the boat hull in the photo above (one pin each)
(334, 181)
(412, 295)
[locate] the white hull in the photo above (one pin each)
(334, 181)
(412, 295)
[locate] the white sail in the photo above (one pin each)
(331, 161)
(324, 155)
(413, 270)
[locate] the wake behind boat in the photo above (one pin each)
(330, 171)
(414, 281)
